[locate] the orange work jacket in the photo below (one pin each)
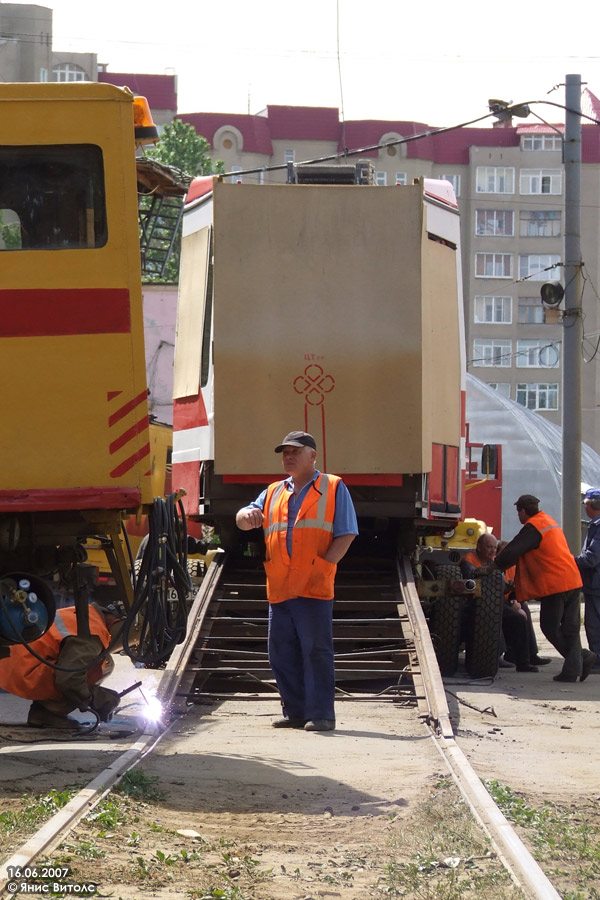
(551, 567)
(305, 573)
(24, 675)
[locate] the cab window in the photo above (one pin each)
(52, 197)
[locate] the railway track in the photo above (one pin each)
(383, 652)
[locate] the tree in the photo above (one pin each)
(187, 151)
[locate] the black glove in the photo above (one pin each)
(104, 702)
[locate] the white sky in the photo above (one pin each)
(239, 56)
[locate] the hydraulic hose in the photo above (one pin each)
(157, 619)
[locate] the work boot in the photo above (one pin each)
(320, 725)
(40, 717)
(288, 722)
(589, 661)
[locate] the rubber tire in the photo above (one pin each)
(482, 650)
(445, 624)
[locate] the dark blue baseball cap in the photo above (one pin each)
(297, 439)
(592, 494)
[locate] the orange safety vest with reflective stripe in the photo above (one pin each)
(25, 676)
(551, 567)
(305, 573)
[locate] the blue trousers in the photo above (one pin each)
(301, 656)
(591, 621)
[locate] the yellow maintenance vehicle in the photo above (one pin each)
(77, 456)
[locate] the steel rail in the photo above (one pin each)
(53, 831)
(514, 855)
(430, 694)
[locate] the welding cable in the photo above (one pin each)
(157, 619)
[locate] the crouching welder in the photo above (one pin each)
(78, 663)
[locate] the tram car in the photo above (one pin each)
(334, 309)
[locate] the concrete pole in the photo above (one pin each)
(573, 321)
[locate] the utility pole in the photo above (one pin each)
(572, 321)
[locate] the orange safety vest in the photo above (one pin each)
(551, 567)
(305, 573)
(24, 675)
(472, 558)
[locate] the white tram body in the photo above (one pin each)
(333, 309)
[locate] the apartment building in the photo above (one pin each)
(27, 54)
(509, 182)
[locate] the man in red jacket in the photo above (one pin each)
(547, 571)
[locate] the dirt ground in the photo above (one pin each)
(246, 812)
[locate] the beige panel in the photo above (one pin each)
(441, 337)
(318, 325)
(190, 313)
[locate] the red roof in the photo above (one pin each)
(590, 105)
(303, 123)
(159, 90)
(307, 123)
(254, 129)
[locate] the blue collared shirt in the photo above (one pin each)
(344, 519)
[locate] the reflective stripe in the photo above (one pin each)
(314, 523)
(276, 526)
(547, 528)
(60, 625)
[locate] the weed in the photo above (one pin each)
(35, 811)
(139, 786)
(107, 814)
(562, 837)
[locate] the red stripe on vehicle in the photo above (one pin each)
(130, 462)
(127, 408)
(53, 312)
(40, 499)
(128, 435)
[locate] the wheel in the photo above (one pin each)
(445, 625)
(484, 628)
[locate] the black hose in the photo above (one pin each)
(162, 623)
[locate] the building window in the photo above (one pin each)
(493, 310)
(495, 180)
(531, 311)
(236, 179)
(454, 181)
(541, 142)
(381, 178)
(502, 387)
(538, 354)
(539, 223)
(538, 396)
(489, 352)
(538, 266)
(540, 181)
(68, 72)
(496, 222)
(43, 74)
(289, 156)
(400, 177)
(493, 265)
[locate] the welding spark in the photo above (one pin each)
(154, 709)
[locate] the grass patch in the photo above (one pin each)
(35, 811)
(447, 858)
(565, 840)
(139, 786)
